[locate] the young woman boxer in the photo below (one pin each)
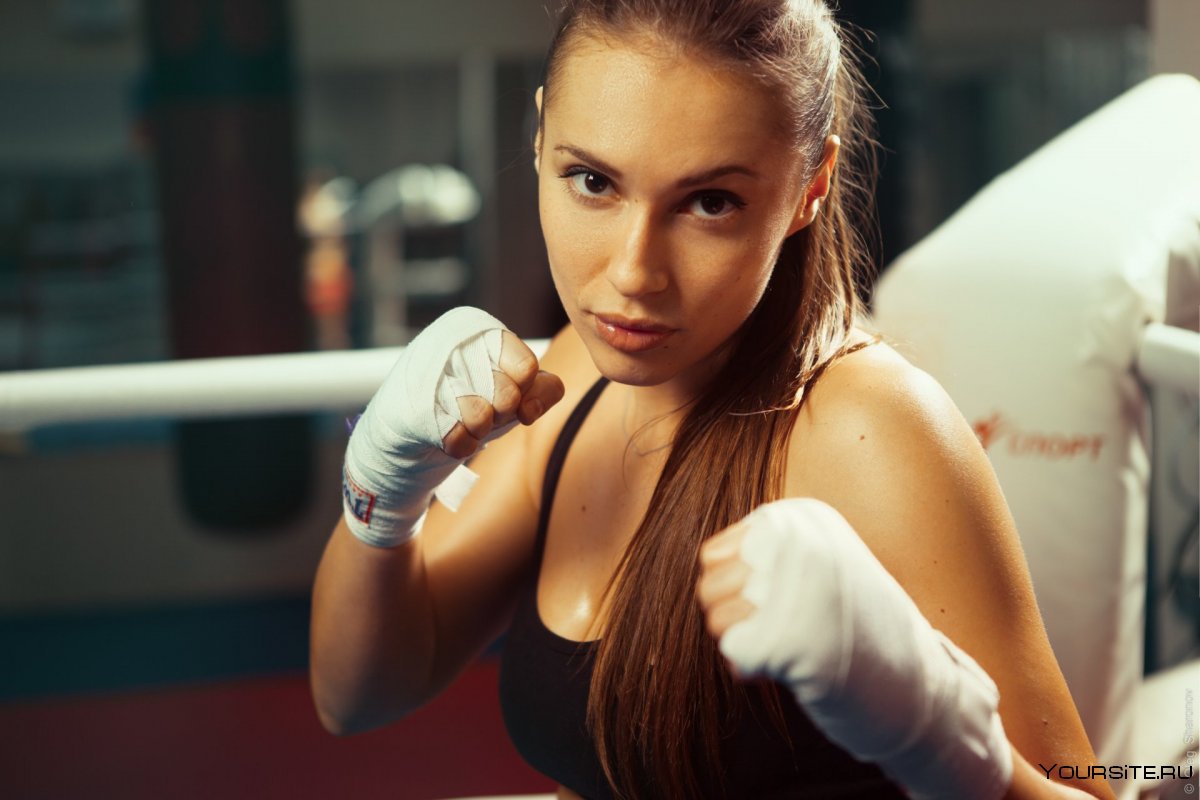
(740, 547)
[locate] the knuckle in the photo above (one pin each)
(476, 413)
(507, 396)
(525, 366)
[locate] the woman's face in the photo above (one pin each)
(665, 193)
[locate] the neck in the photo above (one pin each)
(649, 419)
(652, 414)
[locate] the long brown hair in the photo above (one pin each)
(661, 698)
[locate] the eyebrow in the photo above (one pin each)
(683, 183)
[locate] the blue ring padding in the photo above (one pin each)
(83, 436)
(85, 651)
(125, 649)
(72, 436)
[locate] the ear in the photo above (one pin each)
(537, 137)
(818, 188)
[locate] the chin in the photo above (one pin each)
(631, 370)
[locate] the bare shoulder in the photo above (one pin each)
(873, 404)
(874, 386)
(883, 442)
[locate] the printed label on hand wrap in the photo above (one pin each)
(359, 502)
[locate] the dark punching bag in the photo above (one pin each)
(220, 78)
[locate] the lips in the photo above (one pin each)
(631, 335)
(638, 325)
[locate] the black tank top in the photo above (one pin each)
(544, 681)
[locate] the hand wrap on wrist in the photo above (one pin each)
(835, 627)
(395, 461)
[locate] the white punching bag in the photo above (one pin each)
(1028, 306)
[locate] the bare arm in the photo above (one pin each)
(372, 633)
(378, 647)
(392, 626)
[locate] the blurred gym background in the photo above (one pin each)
(195, 178)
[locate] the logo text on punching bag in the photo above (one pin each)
(996, 432)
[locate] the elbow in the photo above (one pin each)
(340, 726)
(342, 719)
(335, 717)
(332, 724)
(332, 719)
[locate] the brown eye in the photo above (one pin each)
(587, 185)
(713, 204)
(593, 183)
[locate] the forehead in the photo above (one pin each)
(627, 100)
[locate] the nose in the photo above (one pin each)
(639, 265)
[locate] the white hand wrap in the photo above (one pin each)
(395, 461)
(834, 626)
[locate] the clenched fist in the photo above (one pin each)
(464, 381)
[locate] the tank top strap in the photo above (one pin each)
(558, 455)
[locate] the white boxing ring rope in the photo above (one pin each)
(336, 381)
(202, 387)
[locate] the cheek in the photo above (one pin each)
(737, 278)
(574, 246)
(556, 235)
(759, 264)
